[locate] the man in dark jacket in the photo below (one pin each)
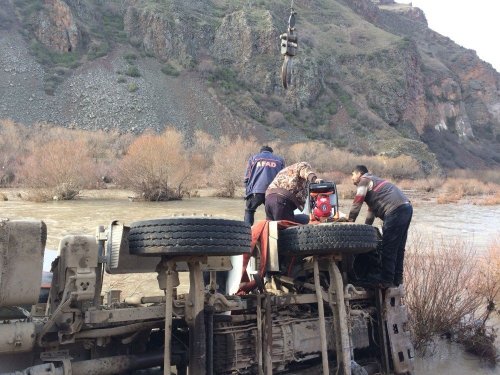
(389, 204)
(261, 170)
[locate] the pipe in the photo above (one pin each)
(101, 366)
(17, 337)
(259, 334)
(337, 304)
(169, 296)
(268, 360)
(116, 365)
(209, 318)
(116, 331)
(100, 268)
(321, 315)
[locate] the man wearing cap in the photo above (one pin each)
(261, 170)
(389, 204)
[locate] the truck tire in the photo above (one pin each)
(186, 236)
(328, 238)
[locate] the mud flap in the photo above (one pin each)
(398, 334)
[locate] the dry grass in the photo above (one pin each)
(488, 200)
(326, 159)
(484, 175)
(469, 187)
(446, 198)
(428, 185)
(455, 189)
(443, 287)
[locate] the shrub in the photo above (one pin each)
(458, 188)
(488, 277)
(156, 166)
(276, 119)
(325, 158)
(98, 49)
(13, 146)
(229, 162)
(59, 169)
(427, 184)
(201, 155)
(133, 71)
(169, 70)
(130, 57)
(489, 200)
(226, 79)
(441, 290)
(132, 87)
(485, 175)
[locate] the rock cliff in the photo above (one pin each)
(370, 77)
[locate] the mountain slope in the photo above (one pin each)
(370, 78)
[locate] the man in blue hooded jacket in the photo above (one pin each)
(261, 170)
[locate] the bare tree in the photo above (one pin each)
(58, 170)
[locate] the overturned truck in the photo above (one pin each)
(297, 306)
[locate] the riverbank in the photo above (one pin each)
(419, 192)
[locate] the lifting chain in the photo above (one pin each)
(288, 49)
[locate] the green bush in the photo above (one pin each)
(121, 80)
(130, 58)
(28, 7)
(98, 50)
(133, 71)
(51, 58)
(132, 87)
(169, 70)
(113, 26)
(226, 78)
(51, 82)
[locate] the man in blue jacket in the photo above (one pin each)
(261, 170)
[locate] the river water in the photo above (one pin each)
(477, 225)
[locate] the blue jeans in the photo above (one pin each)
(394, 235)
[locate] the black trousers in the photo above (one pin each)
(394, 235)
(252, 202)
(279, 208)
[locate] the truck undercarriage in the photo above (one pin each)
(282, 319)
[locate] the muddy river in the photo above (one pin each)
(478, 225)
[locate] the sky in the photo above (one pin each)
(471, 24)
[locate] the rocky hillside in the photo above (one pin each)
(369, 77)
